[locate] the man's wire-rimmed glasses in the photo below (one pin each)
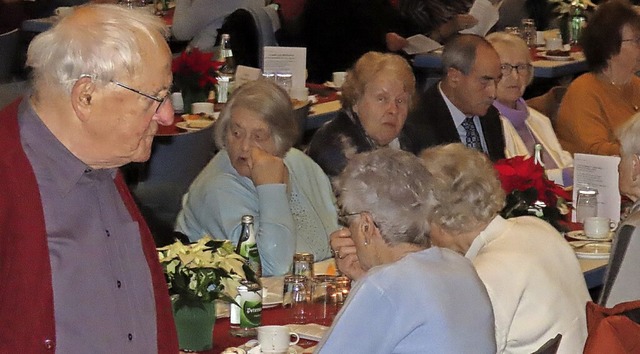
(162, 100)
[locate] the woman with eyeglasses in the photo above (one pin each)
(523, 126)
(599, 102)
(412, 298)
(258, 172)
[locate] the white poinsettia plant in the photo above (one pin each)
(563, 7)
(203, 271)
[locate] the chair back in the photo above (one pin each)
(551, 346)
(251, 29)
(175, 162)
(8, 50)
(622, 278)
(549, 102)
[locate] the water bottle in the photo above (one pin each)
(227, 69)
(528, 31)
(586, 204)
(247, 246)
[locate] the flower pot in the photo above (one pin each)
(194, 324)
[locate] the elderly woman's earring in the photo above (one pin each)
(366, 242)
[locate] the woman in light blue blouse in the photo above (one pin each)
(257, 172)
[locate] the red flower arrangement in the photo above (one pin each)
(194, 74)
(529, 192)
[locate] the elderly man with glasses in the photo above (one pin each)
(77, 260)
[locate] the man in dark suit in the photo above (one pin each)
(459, 108)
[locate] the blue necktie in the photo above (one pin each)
(473, 138)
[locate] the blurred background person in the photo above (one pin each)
(531, 273)
(599, 102)
(438, 19)
(338, 32)
(79, 266)
(523, 126)
(257, 172)
(376, 96)
(431, 297)
(198, 21)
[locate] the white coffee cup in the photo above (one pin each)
(202, 107)
(540, 38)
(276, 339)
(338, 78)
(554, 43)
(598, 226)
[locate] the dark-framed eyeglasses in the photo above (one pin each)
(636, 41)
(343, 218)
(161, 100)
(521, 69)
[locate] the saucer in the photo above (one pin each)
(579, 235)
(593, 250)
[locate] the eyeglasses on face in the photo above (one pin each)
(343, 218)
(162, 100)
(635, 41)
(521, 69)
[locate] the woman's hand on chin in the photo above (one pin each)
(344, 250)
(266, 168)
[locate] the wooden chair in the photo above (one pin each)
(551, 346)
(548, 103)
(8, 50)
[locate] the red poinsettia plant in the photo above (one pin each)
(529, 192)
(194, 74)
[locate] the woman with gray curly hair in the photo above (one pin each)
(257, 172)
(531, 273)
(431, 297)
(376, 97)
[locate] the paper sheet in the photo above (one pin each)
(287, 60)
(486, 14)
(421, 44)
(245, 74)
(601, 173)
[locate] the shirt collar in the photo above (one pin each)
(490, 233)
(456, 114)
(62, 167)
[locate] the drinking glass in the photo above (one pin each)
(586, 204)
(295, 297)
(328, 294)
(528, 31)
(284, 80)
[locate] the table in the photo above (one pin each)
(37, 25)
(542, 68)
(593, 270)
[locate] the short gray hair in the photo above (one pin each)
(395, 188)
(467, 190)
(513, 41)
(368, 67)
(460, 52)
(629, 136)
(269, 101)
(102, 41)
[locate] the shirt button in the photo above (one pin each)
(119, 284)
(108, 233)
(49, 344)
(87, 170)
(130, 336)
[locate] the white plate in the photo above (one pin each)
(271, 300)
(330, 84)
(187, 127)
(555, 57)
(593, 250)
(579, 235)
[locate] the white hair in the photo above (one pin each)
(99, 40)
(395, 188)
(629, 136)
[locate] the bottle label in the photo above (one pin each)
(251, 314)
(250, 252)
